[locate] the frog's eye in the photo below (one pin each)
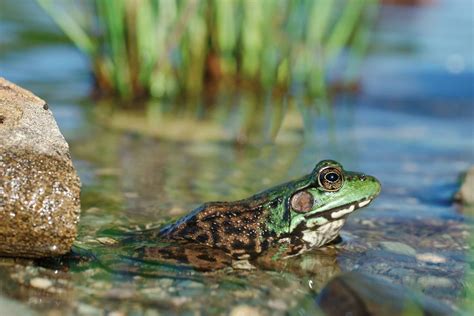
(330, 178)
(302, 202)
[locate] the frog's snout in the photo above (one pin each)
(374, 185)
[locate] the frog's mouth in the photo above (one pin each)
(342, 211)
(322, 227)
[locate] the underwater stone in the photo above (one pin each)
(41, 283)
(358, 293)
(244, 310)
(398, 248)
(39, 187)
(430, 281)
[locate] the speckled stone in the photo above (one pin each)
(39, 187)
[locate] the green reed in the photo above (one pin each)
(174, 47)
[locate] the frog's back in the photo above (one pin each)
(234, 226)
(240, 227)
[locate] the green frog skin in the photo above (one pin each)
(292, 217)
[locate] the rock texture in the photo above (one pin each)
(39, 187)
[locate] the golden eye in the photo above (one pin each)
(330, 178)
(302, 202)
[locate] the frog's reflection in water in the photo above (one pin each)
(196, 261)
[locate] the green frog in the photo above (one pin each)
(297, 216)
(281, 222)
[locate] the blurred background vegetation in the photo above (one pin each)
(164, 49)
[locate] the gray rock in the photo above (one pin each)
(358, 293)
(39, 187)
(466, 192)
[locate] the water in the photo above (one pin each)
(410, 126)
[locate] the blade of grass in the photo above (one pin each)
(344, 27)
(227, 33)
(70, 27)
(113, 13)
(361, 41)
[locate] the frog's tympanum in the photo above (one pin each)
(292, 217)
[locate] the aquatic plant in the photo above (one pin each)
(165, 48)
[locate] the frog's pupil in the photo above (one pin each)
(332, 177)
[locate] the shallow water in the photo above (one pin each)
(410, 126)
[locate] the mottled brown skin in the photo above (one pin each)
(238, 227)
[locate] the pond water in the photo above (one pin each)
(410, 126)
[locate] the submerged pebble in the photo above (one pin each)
(430, 257)
(278, 305)
(398, 248)
(356, 293)
(41, 283)
(191, 284)
(434, 281)
(154, 293)
(85, 309)
(245, 310)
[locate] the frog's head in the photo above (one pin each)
(316, 210)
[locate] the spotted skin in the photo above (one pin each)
(237, 227)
